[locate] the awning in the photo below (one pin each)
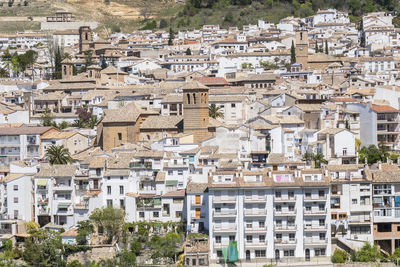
(171, 182)
(63, 205)
(42, 182)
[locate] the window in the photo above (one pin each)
(194, 262)
(291, 208)
(156, 214)
(260, 253)
(321, 236)
(141, 214)
(198, 212)
(119, 136)
(321, 193)
(354, 201)
(278, 208)
(121, 189)
(98, 172)
(261, 238)
(249, 225)
(288, 253)
(202, 262)
(321, 207)
(15, 187)
(233, 105)
(292, 236)
(218, 239)
(178, 214)
(321, 222)
(232, 238)
(198, 199)
(261, 224)
(15, 200)
(219, 253)
(249, 239)
(108, 190)
(278, 237)
(109, 203)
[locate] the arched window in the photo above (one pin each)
(86, 36)
(194, 98)
(188, 98)
(301, 36)
(65, 70)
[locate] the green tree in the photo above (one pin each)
(316, 47)
(292, 53)
(373, 154)
(165, 247)
(42, 248)
(63, 125)
(318, 160)
(57, 63)
(85, 229)
(163, 24)
(109, 219)
(188, 52)
(136, 247)
(47, 118)
(215, 112)
(171, 37)
(127, 259)
(368, 253)
(340, 256)
(58, 155)
(326, 47)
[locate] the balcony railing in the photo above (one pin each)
(317, 241)
(285, 199)
(231, 228)
(141, 165)
(316, 227)
(315, 198)
(252, 212)
(255, 199)
(62, 187)
(291, 241)
(224, 199)
(289, 227)
(285, 212)
(225, 213)
(316, 212)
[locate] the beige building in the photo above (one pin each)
(73, 141)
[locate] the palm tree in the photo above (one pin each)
(215, 112)
(58, 155)
(318, 160)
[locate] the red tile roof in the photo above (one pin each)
(343, 99)
(212, 80)
(383, 108)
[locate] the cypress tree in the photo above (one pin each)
(292, 54)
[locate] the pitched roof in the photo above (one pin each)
(211, 80)
(383, 108)
(24, 130)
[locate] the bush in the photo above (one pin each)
(163, 23)
(150, 25)
(340, 256)
(368, 253)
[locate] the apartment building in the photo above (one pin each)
(274, 215)
(20, 143)
(54, 195)
(386, 207)
(351, 206)
(379, 125)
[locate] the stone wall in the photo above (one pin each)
(74, 25)
(97, 253)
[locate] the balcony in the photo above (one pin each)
(259, 199)
(284, 212)
(81, 187)
(62, 187)
(316, 212)
(148, 203)
(285, 228)
(285, 199)
(256, 230)
(225, 229)
(256, 245)
(315, 241)
(255, 213)
(224, 214)
(223, 200)
(315, 199)
(360, 221)
(286, 242)
(81, 206)
(141, 165)
(316, 228)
